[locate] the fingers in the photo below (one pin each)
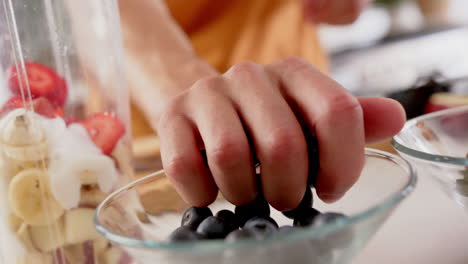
(338, 121)
(227, 147)
(182, 161)
(276, 134)
(333, 11)
(383, 118)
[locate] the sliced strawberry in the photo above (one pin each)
(43, 107)
(43, 82)
(105, 130)
(40, 105)
(12, 103)
(70, 120)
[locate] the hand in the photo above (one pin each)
(334, 11)
(262, 108)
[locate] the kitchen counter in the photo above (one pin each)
(427, 228)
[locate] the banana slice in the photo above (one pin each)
(111, 255)
(88, 177)
(15, 222)
(100, 245)
(30, 199)
(25, 237)
(35, 258)
(79, 226)
(22, 138)
(68, 171)
(91, 196)
(48, 238)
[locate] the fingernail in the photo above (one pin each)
(330, 197)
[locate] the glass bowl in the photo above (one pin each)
(140, 216)
(437, 144)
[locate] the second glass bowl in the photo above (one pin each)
(437, 144)
(140, 216)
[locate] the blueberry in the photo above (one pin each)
(326, 218)
(337, 239)
(313, 158)
(261, 227)
(285, 229)
(229, 218)
(240, 234)
(306, 217)
(258, 207)
(213, 228)
(193, 216)
(184, 234)
(306, 202)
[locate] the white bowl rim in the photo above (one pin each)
(443, 159)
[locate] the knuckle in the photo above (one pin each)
(354, 11)
(171, 111)
(295, 61)
(342, 103)
(293, 66)
(208, 84)
(283, 144)
(244, 68)
(227, 154)
(176, 166)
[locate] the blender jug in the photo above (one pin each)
(64, 128)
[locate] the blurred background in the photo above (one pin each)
(411, 50)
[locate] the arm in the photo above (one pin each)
(161, 62)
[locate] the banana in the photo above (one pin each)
(22, 138)
(100, 245)
(74, 253)
(35, 258)
(69, 170)
(24, 236)
(91, 196)
(88, 177)
(79, 226)
(30, 199)
(15, 222)
(111, 255)
(48, 238)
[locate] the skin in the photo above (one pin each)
(250, 109)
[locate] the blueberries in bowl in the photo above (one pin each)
(229, 218)
(305, 217)
(258, 207)
(213, 228)
(253, 221)
(240, 234)
(261, 227)
(306, 202)
(184, 234)
(193, 216)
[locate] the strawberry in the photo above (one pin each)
(12, 103)
(43, 107)
(43, 82)
(40, 105)
(105, 130)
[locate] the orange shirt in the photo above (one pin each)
(225, 32)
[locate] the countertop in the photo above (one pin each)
(427, 228)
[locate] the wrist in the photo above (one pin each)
(153, 85)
